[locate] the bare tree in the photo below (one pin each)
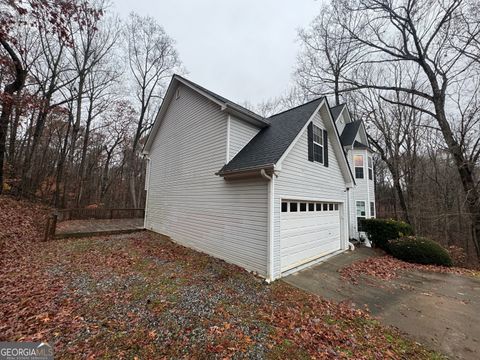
(328, 52)
(152, 59)
(435, 38)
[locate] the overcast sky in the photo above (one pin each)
(244, 50)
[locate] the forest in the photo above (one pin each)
(81, 87)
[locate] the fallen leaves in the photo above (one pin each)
(142, 296)
(387, 267)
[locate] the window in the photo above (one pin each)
(358, 163)
(325, 207)
(330, 207)
(293, 207)
(303, 206)
(372, 209)
(336, 206)
(284, 206)
(318, 206)
(360, 214)
(317, 144)
(311, 207)
(370, 168)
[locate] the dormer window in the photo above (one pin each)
(358, 163)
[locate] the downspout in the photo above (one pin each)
(350, 245)
(271, 207)
(147, 186)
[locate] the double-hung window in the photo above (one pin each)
(370, 168)
(361, 214)
(358, 163)
(317, 144)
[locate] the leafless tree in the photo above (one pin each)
(436, 39)
(152, 60)
(328, 52)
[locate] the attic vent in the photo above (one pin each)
(177, 94)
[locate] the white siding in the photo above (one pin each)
(303, 179)
(363, 191)
(341, 123)
(240, 134)
(192, 205)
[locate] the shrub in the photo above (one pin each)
(380, 231)
(420, 250)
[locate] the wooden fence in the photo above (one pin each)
(99, 214)
(88, 214)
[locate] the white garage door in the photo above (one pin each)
(308, 230)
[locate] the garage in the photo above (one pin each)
(308, 231)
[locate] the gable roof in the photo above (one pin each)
(221, 99)
(360, 145)
(267, 147)
(336, 111)
(350, 132)
(225, 104)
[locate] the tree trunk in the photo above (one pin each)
(7, 103)
(61, 165)
(465, 170)
(13, 132)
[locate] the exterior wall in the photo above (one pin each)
(192, 205)
(240, 133)
(305, 180)
(363, 191)
(341, 122)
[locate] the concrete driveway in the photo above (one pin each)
(438, 310)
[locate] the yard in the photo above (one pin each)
(142, 296)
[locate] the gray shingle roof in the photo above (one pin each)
(336, 110)
(359, 145)
(267, 147)
(349, 132)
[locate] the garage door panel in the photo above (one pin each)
(308, 255)
(308, 235)
(312, 247)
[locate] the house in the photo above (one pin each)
(272, 195)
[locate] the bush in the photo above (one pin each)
(420, 250)
(380, 231)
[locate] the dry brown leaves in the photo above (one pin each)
(142, 296)
(387, 267)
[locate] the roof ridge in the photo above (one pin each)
(219, 96)
(295, 107)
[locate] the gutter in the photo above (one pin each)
(271, 213)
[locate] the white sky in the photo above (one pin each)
(244, 50)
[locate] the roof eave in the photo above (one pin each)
(253, 169)
(254, 119)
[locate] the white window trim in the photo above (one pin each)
(316, 143)
(370, 166)
(356, 166)
(364, 205)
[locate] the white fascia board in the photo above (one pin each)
(278, 165)
(342, 156)
(172, 87)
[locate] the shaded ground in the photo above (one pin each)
(438, 309)
(97, 227)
